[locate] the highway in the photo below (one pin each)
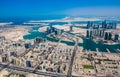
(35, 71)
(23, 70)
(72, 59)
(31, 48)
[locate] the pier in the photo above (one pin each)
(108, 50)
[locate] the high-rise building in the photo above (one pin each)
(28, 64)
(95, 32)
(48, 30)
(116, 37)
(106, 36)
(100, 33)
(87, 34)
(114, 25)
(104, 24)
(56, 32)
(71, 28)
(110, 36)
(89, 24)
(90, 34)
(103, 32)
(53, 29)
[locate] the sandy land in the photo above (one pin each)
(14, 33)
(36, 23)
(43, 29)
(68, 19)
(80, 31)
(76, 30)
(7, 23)
(64, 27)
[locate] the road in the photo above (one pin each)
(34, 71)
(31, 48)
(72, 58)
(23, 70)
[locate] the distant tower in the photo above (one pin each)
(106, 36)
(90, 34)
(116, 37)
(56, 32)
(100, 33)
(53, 29)
(110, 36)
(48, 30)
(89, 24)
(114, 25)
(103, 32)
(104, 24)
(71, 28)
(87, 34)
(59, 32)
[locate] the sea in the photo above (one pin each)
(87, 44)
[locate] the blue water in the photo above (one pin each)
(33, 33)
(87, 44)
(20, 20)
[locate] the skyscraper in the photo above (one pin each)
(87, 34)
(103, 32)
(106, 36)
(89, 24)
(100, 33)
(90, 34)
(71, 28)
(104, 24)
(110, 36)
(114, 25)
(116, 37)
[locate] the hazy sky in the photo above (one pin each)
(59, 7)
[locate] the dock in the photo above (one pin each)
(108, 50)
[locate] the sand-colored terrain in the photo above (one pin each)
(7, 23)
(64, 27)
(43, 29)
(14, 33)
(68, 19)
(76, 30)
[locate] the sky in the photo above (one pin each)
(60, 7)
